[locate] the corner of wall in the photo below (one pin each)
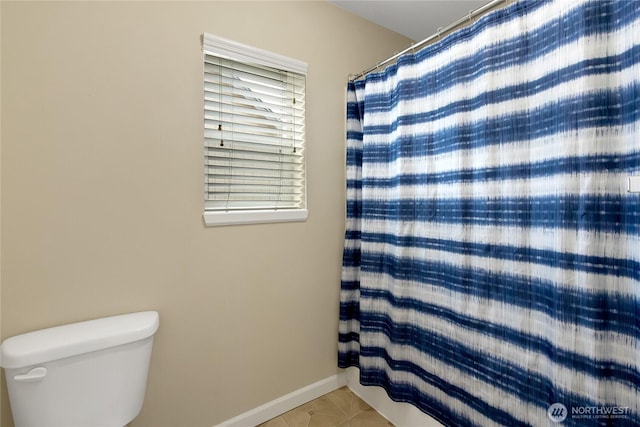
(1, 374)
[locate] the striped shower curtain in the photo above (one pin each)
(491, 269)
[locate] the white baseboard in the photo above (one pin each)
(286, 403)
(399, 413)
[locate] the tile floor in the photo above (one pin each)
(340, 408)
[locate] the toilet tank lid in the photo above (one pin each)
(55, 343)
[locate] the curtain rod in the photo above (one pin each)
(474, 13)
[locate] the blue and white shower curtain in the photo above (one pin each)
(491, 269)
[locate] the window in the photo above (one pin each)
(253, 135)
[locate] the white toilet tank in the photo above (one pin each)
(87, 374)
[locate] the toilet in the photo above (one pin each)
(87, 374)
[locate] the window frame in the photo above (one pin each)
(217, 46)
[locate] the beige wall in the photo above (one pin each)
(102, 194)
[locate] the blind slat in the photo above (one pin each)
(228, 149)
(256, 130)
(226, 101)
(291, 198)
(247, 205)
(243, 92)
(258, 144)
(256, 161)
(214, 64)
(254, 164)
(247, 112)
(257, 181)
(240, 173)
(253, 189)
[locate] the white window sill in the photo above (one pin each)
(254, 217)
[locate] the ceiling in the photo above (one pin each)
(416, 19)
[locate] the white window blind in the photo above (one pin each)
(254, 105)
